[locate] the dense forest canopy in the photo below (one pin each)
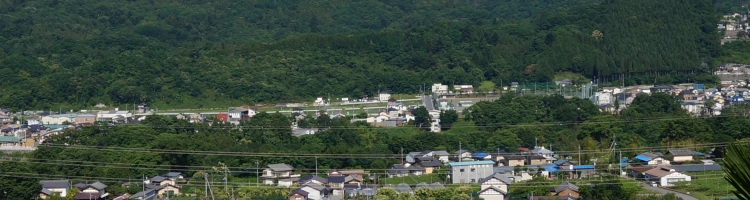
(212, 53)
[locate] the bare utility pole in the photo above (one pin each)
(316, 165)
(257, 175)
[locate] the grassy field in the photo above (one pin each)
(706, 185)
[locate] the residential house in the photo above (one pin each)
(401, 170)
(429, 164)
(88, 196)
(353, 180)
(54, 188)
(470, 172)
(438, 88)
(514, 161)
(494, 187)
(276, 171)
(462, 155)
(442, 156)
(147, 194)
(312, 179)
(537, 160)
(463, 89)
(693, 107)
(665, 176)
(384, 96)
(174, 176)
(181, 116)
(566, 189)
(681, 155)
(336, 184)
(298, 195)
(96, 187)
(314, 190)
(287, 182)
(651, 158)
(113, 116)
(238, 114)
(481, 156)
(142, 108)
(546, 153)
(355, 172)
(5, 119)
(196, 118)
(639, 172)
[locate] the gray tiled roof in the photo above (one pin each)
(55, 184)
(98, 185)
(565, 186)
(280, 167)
(497, 176)
(680, 152)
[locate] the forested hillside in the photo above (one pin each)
(196, 53)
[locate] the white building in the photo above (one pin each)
(384, 96)
(494, 187)
(58, 119)
(54, 187)
(665, 176)
(438, 88)
(605, 98)
(110, 115)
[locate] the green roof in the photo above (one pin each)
(6, 139)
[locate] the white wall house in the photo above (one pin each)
(438, 88)
(384, 96)
(494, 187)
(665, 176)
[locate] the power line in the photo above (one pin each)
(323, 155)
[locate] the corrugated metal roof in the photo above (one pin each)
(643, 158)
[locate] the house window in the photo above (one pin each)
(473, 170)
(461, 170)
(473, 180)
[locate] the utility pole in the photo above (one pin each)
(209, 187)
(579, 154)
(316, 165)
(619, 163)
(459, 152)
(402, 155)
(257, 175)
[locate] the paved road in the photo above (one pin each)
(427, 99)
(665, 191)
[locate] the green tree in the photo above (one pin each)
(422, 118)
(447, 118)
(504, 139)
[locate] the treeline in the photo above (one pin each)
(203, 54)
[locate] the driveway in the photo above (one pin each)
(665, 191)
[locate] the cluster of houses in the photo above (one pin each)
(732, 24)
(158, 187)
(693, 96)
